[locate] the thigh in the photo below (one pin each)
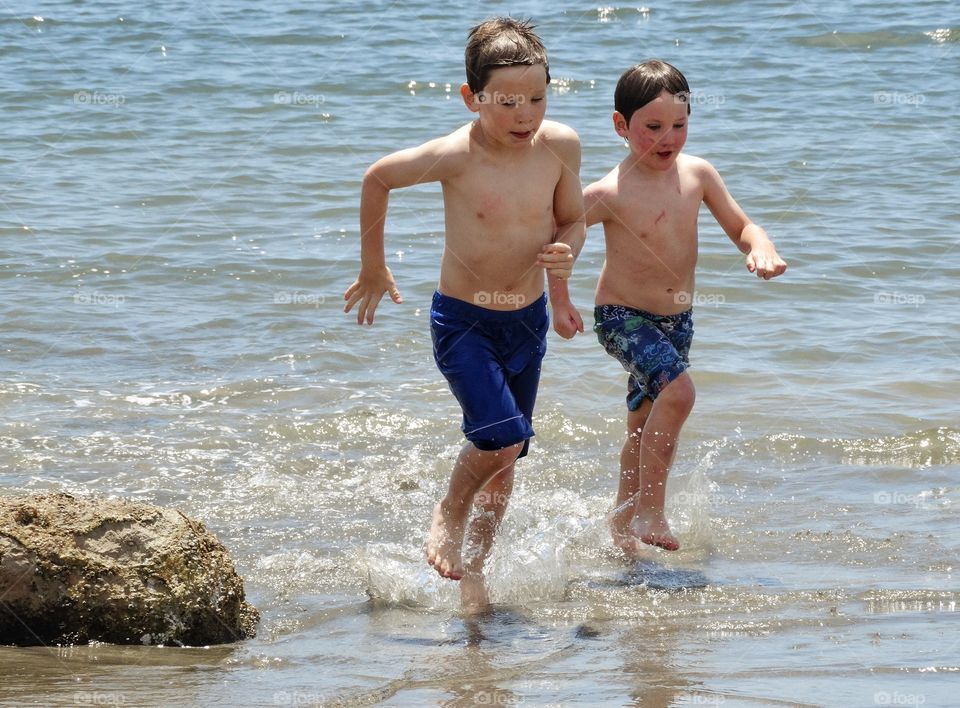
(528, 346)
(467, 356)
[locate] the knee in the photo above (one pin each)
(679, 395)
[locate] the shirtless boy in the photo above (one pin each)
(648, 205)
(513, 209)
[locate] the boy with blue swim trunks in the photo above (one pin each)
(648, 205)
(513, 209)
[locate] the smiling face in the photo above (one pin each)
(657, 130)
(512, 105)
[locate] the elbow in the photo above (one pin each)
(373, 180)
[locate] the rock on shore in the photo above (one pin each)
(74, 570)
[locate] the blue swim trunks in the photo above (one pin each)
(491, 360)
(654, 349)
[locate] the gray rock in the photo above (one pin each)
(74, 570)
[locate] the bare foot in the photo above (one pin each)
(473, 594)
(444, 542)
(655, 531)
(624, 536)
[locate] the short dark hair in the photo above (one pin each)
(502, 41)
(642, 83)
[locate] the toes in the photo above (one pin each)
(664, 542)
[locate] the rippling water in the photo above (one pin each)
(179, 221)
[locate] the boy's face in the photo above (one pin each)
(657, 130)
(512, 104)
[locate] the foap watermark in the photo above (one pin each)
(496, 698)
(93, 297)
(487, 498)
(98, 698)
(700, 699)
(486, 299)
(699, 299)
(899, 299)
(695, 98)
(896, 698)
(500, 99)
(299, 698)
(699, 499)
(298, 298)
(98, 98)
(920, 501)
(297, 98)
(895, 98)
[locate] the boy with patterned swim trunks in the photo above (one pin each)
(648, 205)
(513, 209)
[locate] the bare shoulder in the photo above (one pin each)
(452, 145)
(698, 168)
(559, 135)
(449, 152)
(600, 197)
(435, 160)
(606, 186)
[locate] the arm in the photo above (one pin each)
(566, 320)
(596, 204)
(762, 257)
(558, 257)
(428, 163)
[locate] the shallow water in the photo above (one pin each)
(179, 222)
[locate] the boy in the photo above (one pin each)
(512, 208)
(648, 205)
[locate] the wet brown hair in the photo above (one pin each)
(498, 42)
(642, 83)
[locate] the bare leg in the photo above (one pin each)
(491, 504)
(658, 445)
(473, 469)
(624, 537)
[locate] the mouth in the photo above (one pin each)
(664, 154)
(526, 135)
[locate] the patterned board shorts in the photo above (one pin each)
(654, 349)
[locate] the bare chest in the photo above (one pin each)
(501, 197)
(653, 233)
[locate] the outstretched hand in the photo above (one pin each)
(765, 262)
(557, 258)
(368, 290)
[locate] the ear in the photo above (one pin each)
(469, 98)
(620, 124)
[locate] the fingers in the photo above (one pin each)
(557, 258)
(766, 267)
(563, 330)
(367, 307)
(368, 300)
(567, 326)
(557, 247)
(352, 296)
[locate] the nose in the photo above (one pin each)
(525, 113)
(668, 139)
